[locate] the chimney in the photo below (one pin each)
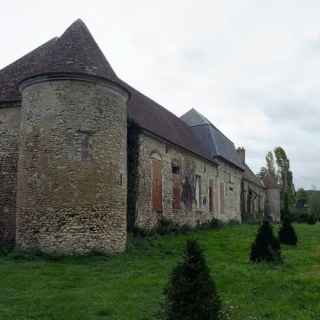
(242, 154)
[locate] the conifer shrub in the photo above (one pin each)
(287, 234)
(191, 292)
(266, 246)
(312, 219)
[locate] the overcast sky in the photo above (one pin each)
(251, 67)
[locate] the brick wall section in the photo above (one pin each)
(190, 166)
(9, 129)
(72, 179)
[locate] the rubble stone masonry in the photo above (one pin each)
(9, 131)
(183, 166)
(72, 171)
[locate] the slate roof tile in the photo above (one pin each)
(212, 138)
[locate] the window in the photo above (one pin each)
(156, 185)
(85, 152)
(198, 192)
(176, 187)
(175, 169)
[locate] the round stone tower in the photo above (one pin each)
(72, 170)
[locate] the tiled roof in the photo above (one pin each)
(212, 138)
(31, 63)
(77, 52)
(250, 176)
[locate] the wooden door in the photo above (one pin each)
(156, 185)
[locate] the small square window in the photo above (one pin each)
(175, 169)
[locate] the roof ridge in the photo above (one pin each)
(76, 51)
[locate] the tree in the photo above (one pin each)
(285, 176)
(314, 204)
(191, 292)
(262, 173)
(266, 246)
(287, 234)
(271, 164)
(285, 212)
(301, 195)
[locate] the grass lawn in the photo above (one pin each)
(129, 286)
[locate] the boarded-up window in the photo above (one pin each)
(176, 196)
(85, 151)
(198, 192)
(156, 185)
(222, 197)
(211, 199)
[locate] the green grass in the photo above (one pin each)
(129, 286)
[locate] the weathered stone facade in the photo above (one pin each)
(65, 151)
(219, 186)
(9, 131)
(230, 178)
(253, 201)
(72, 179)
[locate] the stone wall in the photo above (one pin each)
(254, 210)
(231, 178)
(190, 168)
(9, 129)
(72, 176)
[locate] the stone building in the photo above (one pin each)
(253, 193)
(84, 156)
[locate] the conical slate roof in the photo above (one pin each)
(77, 52)
(212, 138)
(74, 52)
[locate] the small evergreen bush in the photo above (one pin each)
(287, 234)
(266, 246)
(191, 292)
(312, 219)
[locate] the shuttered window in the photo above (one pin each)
(156, 185)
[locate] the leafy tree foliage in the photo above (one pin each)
(278, 167)
(191, 293)
(314, 204)
(302, 195)
(285, 176)
(271, 168)
(266, 246)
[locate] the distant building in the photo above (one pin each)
(84, 156)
